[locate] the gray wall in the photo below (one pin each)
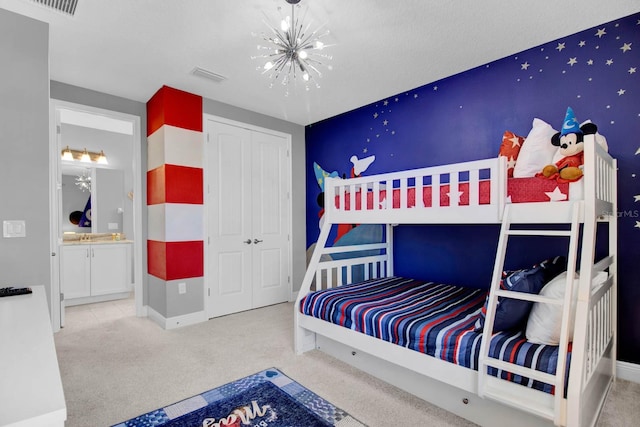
(24, 141)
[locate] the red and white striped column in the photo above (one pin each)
(175, 244)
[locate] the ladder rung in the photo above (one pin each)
(566, 233)
(512, 394)
(528, 297)
(521, 370)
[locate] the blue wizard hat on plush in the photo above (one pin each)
(570, 124)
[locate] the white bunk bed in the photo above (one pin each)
(474, 394)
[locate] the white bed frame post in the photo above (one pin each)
(303, 339)
(594, 341)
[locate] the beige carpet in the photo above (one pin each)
(115, 366)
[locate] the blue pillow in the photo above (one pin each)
(512, 313)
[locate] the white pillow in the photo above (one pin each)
(537, 151)
(545, 320)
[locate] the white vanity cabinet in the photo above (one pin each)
(95, 272)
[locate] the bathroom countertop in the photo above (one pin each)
(95, 242)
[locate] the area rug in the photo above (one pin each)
(266, 399)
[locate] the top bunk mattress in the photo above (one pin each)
(431, 318)
(519, 190)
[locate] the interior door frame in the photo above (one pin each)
(55, 204)
(207, 274)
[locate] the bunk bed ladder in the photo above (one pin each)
(550, 407)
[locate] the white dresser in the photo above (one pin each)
(30, 385)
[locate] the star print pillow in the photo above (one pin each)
(510, 148)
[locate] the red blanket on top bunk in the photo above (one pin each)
(519, 190)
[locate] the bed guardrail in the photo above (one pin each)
(433, 194)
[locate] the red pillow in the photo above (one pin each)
(510, 148)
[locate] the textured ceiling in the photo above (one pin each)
(130, 48)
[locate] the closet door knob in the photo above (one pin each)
(248, 241)
(256, 241)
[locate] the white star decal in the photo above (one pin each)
(621, 92)
(386, 122)
(625, 47)
(515, 141)
(560, 47)
(601, 32)
(385, 103)
(456, 194)
(364, 150)
(637, 151)
(636, 198)
(637, 224)
(590, 62)
(556, 195)
(582, 43)
(609, 61)
(435, 88)
(573, 61)
(375, 115)
(524, 66)
(632, 70)
(511, 163)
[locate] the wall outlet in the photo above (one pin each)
(16, 228)
(182, 288)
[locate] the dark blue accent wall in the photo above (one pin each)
(463, 117)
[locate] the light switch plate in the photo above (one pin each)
(14, 228)
(112, 226)
(182, 288)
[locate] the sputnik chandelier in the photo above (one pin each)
(293, 50)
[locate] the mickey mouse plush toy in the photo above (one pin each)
(571, 145)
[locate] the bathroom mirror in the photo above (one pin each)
(93, 200)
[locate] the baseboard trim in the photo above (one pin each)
(628, 371)
(178, 321)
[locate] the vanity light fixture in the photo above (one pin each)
(84, 156)
(102, 159)
(67, 154)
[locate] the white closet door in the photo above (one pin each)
(229, 207)
(270, 227)
(248, 220)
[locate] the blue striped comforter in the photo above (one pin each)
(431, 318)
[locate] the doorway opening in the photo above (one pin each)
(96, 208)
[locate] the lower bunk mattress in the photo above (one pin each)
(431, 318)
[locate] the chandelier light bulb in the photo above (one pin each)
(318, 45)
(285, 24)
(268, 66)
(303, 54)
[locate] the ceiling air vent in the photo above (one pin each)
(201, 72)
(64, 6)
